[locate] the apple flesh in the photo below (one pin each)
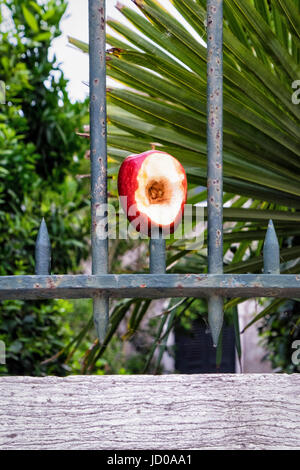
(153, 190)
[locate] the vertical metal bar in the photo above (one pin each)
(215, 156)
(158, 255)
(97, 46)
(42, 251)
(271, 251)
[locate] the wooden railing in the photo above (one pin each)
(242, 411)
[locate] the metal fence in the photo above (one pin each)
(101, 285)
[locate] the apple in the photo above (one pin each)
(153, 190)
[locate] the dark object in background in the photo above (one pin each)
(280, 331)
(195, 354)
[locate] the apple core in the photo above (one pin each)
(160, 188)
(155, 187)
(158, 192)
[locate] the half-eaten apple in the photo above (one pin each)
(153, 190)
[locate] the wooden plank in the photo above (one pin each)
(239, 411)
(149, 286)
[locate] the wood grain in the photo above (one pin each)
(239, 411)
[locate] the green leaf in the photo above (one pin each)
(292, 14)
(269, 309)
(30, 19)
(83, 46)
(265, 33)
(43, 37)
(49, 14)
(237, 332)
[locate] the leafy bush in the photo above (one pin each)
(279, 331)
(37, 179)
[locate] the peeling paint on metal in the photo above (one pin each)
(214, 155)
(157, 255)
(97, 45)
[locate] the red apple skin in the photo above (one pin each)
(128, 184)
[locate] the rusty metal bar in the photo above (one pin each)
(214, 156)
(97, 46)
(150, 286)
(271, 251)
(42, 251)
(157, 254)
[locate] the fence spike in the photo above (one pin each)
(215, 317)
(271, 251)
(42, 251)
(101, 316)
(215, 156)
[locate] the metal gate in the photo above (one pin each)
(101, 285)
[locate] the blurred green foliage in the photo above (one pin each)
(40, 156)
(279, 331)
